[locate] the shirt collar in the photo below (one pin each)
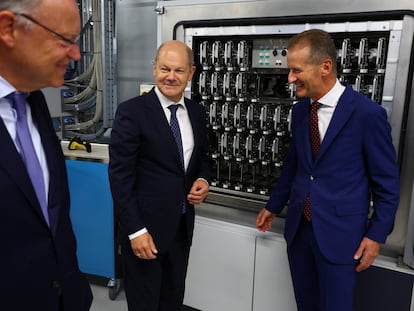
(5, 88)
(332, 97)
(165, 102)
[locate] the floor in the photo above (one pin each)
(102, 302)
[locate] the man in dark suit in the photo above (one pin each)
(329, 231)
(37, 245)
(155, 186)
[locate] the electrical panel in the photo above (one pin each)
(242, 81)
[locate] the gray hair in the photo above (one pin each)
(21, 6)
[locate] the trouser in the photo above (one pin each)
(158, 285)
(319, 285)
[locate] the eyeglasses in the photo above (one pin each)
(68, 41)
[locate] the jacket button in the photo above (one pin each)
(312, 177)
(55, 284)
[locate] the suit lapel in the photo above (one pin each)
(340, 116)
(195, 124)
(155, 111)
(303, 133)
(14, 166)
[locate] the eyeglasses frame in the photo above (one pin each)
(62, 37)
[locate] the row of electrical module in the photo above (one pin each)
(243, 84)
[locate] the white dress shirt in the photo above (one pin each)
(328, 104)
(186, 129)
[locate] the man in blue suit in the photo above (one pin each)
(155, 186)
(330, 231)
(37, 245)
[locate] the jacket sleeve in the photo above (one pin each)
(123, 149)
(383, 171)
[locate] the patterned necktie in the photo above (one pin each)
(27, 150)
(175, 128)
(315, 145)
(314, 129)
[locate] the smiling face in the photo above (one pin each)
(307, 77)
(38, 58)
(172, 70)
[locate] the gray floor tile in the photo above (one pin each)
(101, 301)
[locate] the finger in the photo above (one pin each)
(359, 268)
(152, 250)
(267, 225)
(362, 266)
(263, 225)
(196, 189)
(358, 253)
(260, 220)
(197, 200)
(194, 197)
(365, 262)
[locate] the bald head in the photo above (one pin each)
(178, 46)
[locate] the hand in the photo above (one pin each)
(143, 247)
(198, 192)
(367, 252)
(264, 220)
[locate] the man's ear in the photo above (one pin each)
(7, 28)
(326, 67)
(192, 70)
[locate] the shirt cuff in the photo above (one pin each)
(137, 234)
(201, 178)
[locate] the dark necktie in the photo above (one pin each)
(27, 150)
(315, 145)
(314, 129)
(175, 128)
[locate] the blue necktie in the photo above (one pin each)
(175, 127)
(27, 150)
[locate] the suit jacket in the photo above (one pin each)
(356, 163)
(147, 180)
(37, 262)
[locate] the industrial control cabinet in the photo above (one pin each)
(242, 82)
(240, 53)
(240, 50)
